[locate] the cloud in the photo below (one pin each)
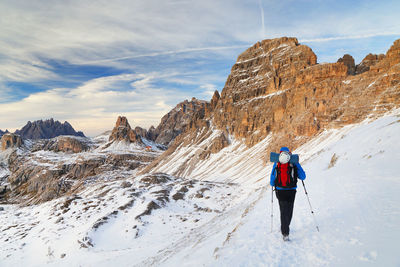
(363, 36)
(262, 19)
(154, 54)
(94, 106)
(209, 89)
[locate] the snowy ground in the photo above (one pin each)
(352, 180)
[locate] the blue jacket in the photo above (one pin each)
(300, 172)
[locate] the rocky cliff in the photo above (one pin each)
(10, 140)
(123, 132)
(174, 122)
(2, 133)
(276, 88)
(47, 129)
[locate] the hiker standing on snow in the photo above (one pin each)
(284, 177)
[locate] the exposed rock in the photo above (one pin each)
(67, 144)
(177, 120)
(393, 54)
(140, 131)
(348, 61)
(149, 209)
(180, 194)
(216, 145)
(123, 132)
(10, 140)
(47, 129)
(277, 88)
(214, 99)
(151, 134)
(156, 178)
(368, 61)
(43, 179)
(2, 133)
(126, 184)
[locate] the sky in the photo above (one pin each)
(87, 62)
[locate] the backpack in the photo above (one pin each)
(286, 175)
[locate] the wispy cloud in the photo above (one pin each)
(350, 37)
(163, 53)
(262, 19)
(92, 60)
(93, 107)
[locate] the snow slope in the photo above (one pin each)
(356, 202)
(352, 180)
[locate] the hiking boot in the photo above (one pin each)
(285, 237)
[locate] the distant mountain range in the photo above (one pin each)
(1, 132)
(45, 130)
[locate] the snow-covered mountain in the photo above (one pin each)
(120, 199)
(221, 216)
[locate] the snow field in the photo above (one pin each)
(352, 181)
(355, 203)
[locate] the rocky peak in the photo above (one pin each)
(368, 61)
(10, 140)
(72, 144)
(276, 87)
(214, 99)
(393, 54)
(2, 133)
(348, 61)
(47, 129)
(177, 120)
(123, 131)
(264, 67)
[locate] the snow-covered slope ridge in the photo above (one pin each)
(221, 216)
(353, 183)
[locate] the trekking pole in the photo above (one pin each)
(272, 206)
(312, 212)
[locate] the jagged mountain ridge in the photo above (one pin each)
(47, 129)
(277, 89)
(40, 170)
(109, 210)
(174, 122)
(2, 133)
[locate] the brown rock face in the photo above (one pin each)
(393, 54)
(177, 120)
(215, 99)
(368, 61)
(67, 144)
(277, 88)
(10, 140)
(348, 61)
(123, 132)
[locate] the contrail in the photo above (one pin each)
(327, 39)
(187, 50)
(262, 19)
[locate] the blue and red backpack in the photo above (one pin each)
(286, 175)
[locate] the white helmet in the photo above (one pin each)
(284, 157)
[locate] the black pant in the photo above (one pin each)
(286, 203)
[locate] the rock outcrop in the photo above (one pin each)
(67, 144)
(348, 61)
(123, 132)
(47, 129)
(369, 61)
(276, 88)
(175, 122)
(10, 140)
(2, 133)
